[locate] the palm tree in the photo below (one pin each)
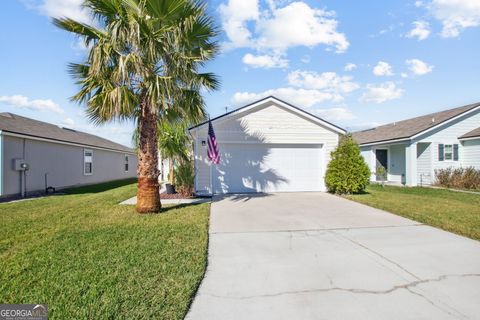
(144, 63)
(174, 144)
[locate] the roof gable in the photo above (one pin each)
(407, 129)
(16, 124)
(258, 105)
(475, 133)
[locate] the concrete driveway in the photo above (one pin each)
(317, 256)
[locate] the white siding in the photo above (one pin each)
(449, 135)
(471, 154)
(424, 159)
(369, 156)
(270, 124)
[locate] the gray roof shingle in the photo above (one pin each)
(13, 123)
(410, 127)
(472, 134)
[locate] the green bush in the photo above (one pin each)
(184, 178)
(459, 178)
(347, 171)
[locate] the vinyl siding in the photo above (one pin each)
(449, 135)
(269, 124)
(1, 164)
(424, 168)
(369, 157)
(63, 163)
(471, 154)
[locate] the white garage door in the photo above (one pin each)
(269, 168)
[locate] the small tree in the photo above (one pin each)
(347, 171)
(382, 173)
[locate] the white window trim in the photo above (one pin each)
(445, 153)
(84, 162)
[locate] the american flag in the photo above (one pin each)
(213, 153)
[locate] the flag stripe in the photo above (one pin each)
(212, 152)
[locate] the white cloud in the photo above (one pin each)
(65, 8)
(297, 24)
(350, 67)
(264, 61)
(418, 67)
(300, 97)
(455, 15)
(68, 122)
(335, 114)
(235, 16)
(381, 93)
(306, 89)
(276, 29)
(306, 59)
(421, 30)
(404, 75)
(382, 69)
(326, 81)
(418, 4)
(37, 104)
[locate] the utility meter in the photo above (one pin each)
(20, 165)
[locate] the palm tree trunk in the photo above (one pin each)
(148, 193)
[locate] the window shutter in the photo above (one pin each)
(455, 152)
(440, 152)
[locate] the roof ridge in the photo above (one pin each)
(467, 106)
(48, 130)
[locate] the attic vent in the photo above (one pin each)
(394, 123)
(433, 120)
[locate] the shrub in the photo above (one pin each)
(347, 171)
(184, 178)
(460, 178)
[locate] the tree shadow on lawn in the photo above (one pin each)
(97, 188)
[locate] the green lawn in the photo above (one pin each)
(453, 211)
(89, 258)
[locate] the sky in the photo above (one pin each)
(357, 64)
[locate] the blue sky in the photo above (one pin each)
(355, 63)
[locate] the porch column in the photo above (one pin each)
(411, 164)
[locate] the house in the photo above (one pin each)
(411, 150)
(35, 155)
(266, 146)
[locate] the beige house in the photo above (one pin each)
(35, 155)
(266, 146)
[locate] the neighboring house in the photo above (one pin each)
(266, 146)
(56, 157)
(411, 150)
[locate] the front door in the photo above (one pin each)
(382, 162)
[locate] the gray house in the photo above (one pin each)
(35, 155)
(411, 150)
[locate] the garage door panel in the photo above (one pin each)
(268, 168)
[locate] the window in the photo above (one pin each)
(87, 162)
(126, 163)
(448, 152)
